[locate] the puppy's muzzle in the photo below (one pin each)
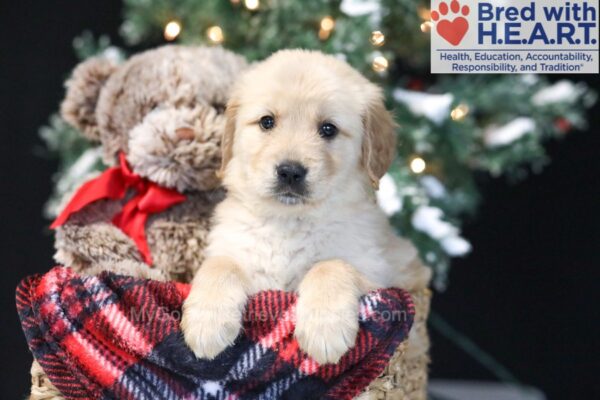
(290, 186)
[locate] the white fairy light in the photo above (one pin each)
(172, 30)
(417, 165)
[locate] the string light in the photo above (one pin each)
(172, 30)
(377, 38)
(325, 27)
(327, 23)
(417, 165)
(459, 112)
(252, 5)
(215, 34)
(424, 13)
(380, 64)
(323, 34)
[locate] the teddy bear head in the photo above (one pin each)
(162, 108)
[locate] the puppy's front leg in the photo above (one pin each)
(327, 310)
(212, 313)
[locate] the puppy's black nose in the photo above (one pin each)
(291, 173)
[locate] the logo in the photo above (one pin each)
(514, 36)
(452, 30)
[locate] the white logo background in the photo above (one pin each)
(511, 17)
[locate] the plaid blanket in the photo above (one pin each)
(117, 337)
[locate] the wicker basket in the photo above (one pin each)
(405, 377)
(41, 387)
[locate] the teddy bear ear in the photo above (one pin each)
(83, 90)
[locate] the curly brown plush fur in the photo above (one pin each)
(79, 108)
(164, 109)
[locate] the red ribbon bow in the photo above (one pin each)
(113, 184)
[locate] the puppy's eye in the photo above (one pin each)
(328, 130)
(267, 122)
(219, 107)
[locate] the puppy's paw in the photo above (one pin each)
(210, 326)
(326, 331)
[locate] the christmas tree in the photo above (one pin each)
(452, 129)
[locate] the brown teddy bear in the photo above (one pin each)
(160, 117)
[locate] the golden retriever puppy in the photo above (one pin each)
(306, 142)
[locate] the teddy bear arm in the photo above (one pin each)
(83, 246)
(178, 247)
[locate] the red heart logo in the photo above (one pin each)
(453, 31)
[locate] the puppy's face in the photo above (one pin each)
(300, 126)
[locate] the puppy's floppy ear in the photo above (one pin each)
(379, 141)
(228, 136)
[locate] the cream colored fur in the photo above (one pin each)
(332, 247)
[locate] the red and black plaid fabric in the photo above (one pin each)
(118, 337)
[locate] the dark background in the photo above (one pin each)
(528, 293)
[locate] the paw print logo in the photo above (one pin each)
(451, 30)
